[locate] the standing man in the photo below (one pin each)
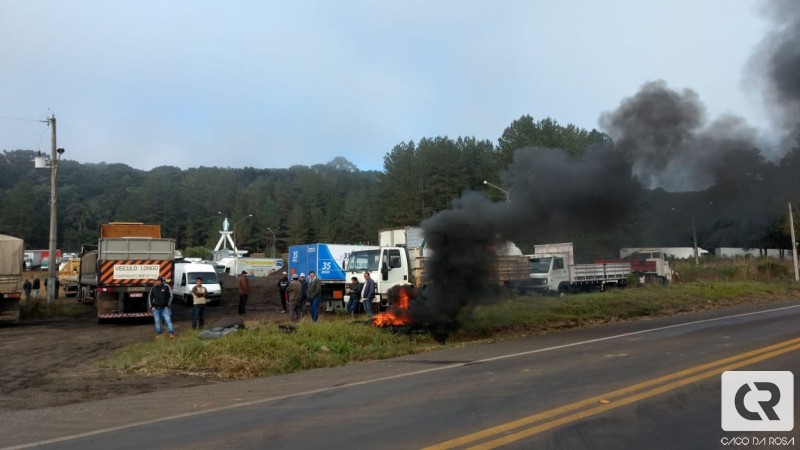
(314, 292)
(283, 283)
(26, 287)
(198, 304)
(244, 291)
(368, 294)
(293, 298)
(160, 300)
(35, 287)
(354, 291)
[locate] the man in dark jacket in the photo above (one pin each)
(283, 283)
(160, 301)
(314, 292)
(368, 294)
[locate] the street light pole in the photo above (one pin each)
(507, 193)
(235, 247)
(273, 241)
(694, 234)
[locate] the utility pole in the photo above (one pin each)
(794, 245)
(52, 293)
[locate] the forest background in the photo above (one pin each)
(745, 206)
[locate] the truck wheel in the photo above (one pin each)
(187, 300)
(563, 288)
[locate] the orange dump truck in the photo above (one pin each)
(116, 274)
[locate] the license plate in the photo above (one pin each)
(137, 295)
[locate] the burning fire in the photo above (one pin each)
(397, 315)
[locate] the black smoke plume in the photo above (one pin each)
(549, 192)
(666, 153)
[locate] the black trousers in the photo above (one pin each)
(242, 303)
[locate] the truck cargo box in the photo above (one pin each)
(129, 229)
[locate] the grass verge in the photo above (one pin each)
(266, 349)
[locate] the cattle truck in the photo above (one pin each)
(11, 266)
(402, 255)
(116, 275)
(553, 269)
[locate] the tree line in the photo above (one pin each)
(336, 202)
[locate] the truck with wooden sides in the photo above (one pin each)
(553, 269)
(116, 275)
(402, 257)
(11, 267)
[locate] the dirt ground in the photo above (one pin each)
(47, 362)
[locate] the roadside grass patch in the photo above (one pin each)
(267, 349)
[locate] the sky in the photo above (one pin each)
(272, 84)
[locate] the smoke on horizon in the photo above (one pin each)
(662, 139)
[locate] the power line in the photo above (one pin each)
(21, 119)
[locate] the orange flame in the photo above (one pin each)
(397, 315)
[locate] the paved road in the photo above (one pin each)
(645, 384)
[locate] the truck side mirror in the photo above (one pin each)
(384, 271)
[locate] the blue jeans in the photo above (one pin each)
(367, 307)
(163, 314)
(352, 305)
(198, 316)
(315, 307)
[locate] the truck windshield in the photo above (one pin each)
(208, 277)
(540, 265)
(363, 260)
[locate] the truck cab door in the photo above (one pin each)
(393, 270)
(559, 273)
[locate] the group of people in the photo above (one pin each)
(298, 294)
(159, 302)
(31, 289)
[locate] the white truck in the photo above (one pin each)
(553, 269)
(257, 267)
(401, 257)
(11, 267)
(186, 274)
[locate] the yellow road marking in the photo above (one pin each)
(674, 381)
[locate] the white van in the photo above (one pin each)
(185, 276)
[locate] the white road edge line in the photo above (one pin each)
(392, 377)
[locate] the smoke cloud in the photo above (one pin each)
(775, 67)
(662, 139)
(666, 136)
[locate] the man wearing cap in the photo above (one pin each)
(283, 283)
(293, 298)
(244, 291)
(159, 301)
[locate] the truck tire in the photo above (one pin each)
(564, 288)
(188, 300)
